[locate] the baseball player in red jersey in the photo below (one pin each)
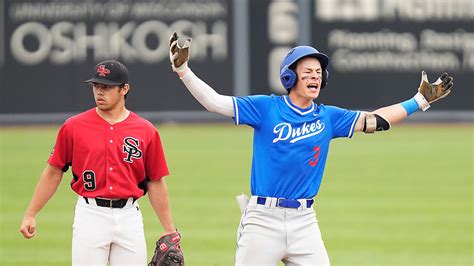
(116, 157)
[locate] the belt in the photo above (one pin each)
(109, 203)
(285, 203)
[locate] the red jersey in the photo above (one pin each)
(110, 161)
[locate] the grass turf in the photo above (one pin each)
(403, 197)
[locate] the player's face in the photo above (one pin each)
(308, 85)
(109, 97)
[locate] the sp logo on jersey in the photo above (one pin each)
(132, 150)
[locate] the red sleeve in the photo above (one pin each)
(61, 155)
(155, 162)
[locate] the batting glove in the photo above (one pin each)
(431, 92)
(179, 54)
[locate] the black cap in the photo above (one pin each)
(109, 72)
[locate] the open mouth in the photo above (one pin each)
(312, 86)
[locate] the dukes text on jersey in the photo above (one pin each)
(285, 131)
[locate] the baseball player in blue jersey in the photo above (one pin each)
(290, 147)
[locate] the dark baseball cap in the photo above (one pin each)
(109, 72)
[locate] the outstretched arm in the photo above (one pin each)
(382, 118)
(207, 96)
(204, 94)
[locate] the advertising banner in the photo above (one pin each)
(377, 48)
(49, 47)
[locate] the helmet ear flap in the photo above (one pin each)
(287, 77)
(324, 79)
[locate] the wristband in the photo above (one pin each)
(410, 106)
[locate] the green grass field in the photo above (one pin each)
(403, 197)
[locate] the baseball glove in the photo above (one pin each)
(168, 251)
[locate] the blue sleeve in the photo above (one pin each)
(343, 121)
(250, 110)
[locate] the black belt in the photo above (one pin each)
(109, 203)
(286, 203)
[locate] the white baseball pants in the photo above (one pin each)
(102, 234)
(268, 234)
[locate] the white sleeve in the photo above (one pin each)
(207, 96)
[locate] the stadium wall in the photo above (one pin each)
(377, 49)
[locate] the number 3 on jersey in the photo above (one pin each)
(89, 180)
(316, 151)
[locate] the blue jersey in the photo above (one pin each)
(290, 144)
